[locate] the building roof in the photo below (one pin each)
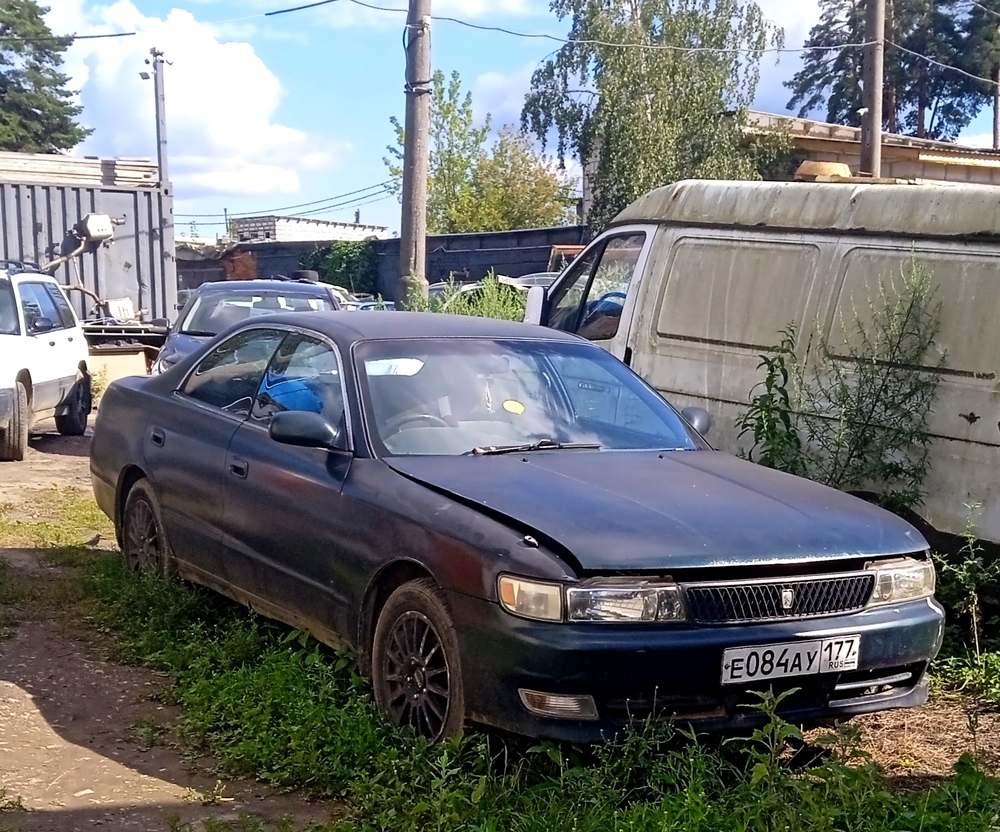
(805, 132)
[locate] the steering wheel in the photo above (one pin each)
(395, 425)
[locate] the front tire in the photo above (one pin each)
(74, 421)
(416, 670)
(14, 440)
(144, 542)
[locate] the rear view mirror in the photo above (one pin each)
(535, 306)
(42, 324)
(305, 430)
(698, 418)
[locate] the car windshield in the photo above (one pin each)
(460, 396)
(212, 312)
(8, 310)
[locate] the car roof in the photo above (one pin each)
(19, 276)
(263, 285)
(350, 326)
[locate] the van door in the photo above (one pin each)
(595, 297)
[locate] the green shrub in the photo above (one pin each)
(351, 264)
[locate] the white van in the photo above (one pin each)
(692, 282)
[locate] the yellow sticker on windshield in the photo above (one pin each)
(512, 406)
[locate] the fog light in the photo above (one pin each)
(558, 705)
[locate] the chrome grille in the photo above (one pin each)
(777, 600)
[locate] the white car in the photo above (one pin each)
(43, 359)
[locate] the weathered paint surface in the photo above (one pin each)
(139, 264)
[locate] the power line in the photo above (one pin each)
(290, 207)
(940, 64)
(50, 38)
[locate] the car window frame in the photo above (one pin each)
(57, 323)
(178, 390)
(326, 340)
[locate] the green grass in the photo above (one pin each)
(494, 300)
(56, 518)
(272, 703)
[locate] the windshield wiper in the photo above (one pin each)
(540, 445)
(198, 333)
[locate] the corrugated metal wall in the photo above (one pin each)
(36, 221)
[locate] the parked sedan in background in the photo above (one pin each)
(510, 528)
(217, 305)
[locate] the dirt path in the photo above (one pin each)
(77, 730)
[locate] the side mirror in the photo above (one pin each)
(305, 430)
(42, 324)
(534, 308)
(160, 323)
(698, 418)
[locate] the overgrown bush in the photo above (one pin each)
(857, 418)
(351, 264)
(493, 300)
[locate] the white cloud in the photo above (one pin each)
(220, 102)
(502, 95)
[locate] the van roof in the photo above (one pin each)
(905, 209)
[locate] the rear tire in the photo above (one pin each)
(14, 440)
(144, 542)
(74, 421)
(416, 667)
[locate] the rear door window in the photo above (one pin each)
(9, 324)
(66, 316)
(36, 303)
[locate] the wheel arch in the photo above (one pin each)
(129, 476)
(392, 576)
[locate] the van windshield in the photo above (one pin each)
(8, 310)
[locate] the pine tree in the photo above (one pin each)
(921, 98)
(37, 113)
(982, 54)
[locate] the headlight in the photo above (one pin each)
(531, 599)
(625, 600)
(161, 365)
(900, 580)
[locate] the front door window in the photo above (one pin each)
(590, 302)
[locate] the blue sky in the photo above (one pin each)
(269, 112)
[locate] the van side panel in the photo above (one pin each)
(719, 302)
(715, 298)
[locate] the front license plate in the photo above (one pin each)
(797, 658)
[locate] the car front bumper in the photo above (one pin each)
(634, 672)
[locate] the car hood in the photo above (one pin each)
(628, 510)
(180, 345)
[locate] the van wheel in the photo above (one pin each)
(415, 663)
(14, 440)
(74, 421)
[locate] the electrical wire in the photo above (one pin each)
(50, 38)
(267, 211)
(940, 64)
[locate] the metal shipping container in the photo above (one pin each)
(139, 263)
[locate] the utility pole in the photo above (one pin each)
(872, 71)
(413, 231)
(161, 118)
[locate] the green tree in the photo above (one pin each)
(921, 98)
(982, 54)
(650, 91)
(37, 113)
(471, 188)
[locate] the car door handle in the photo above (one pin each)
(158, 437)
(52, 343)
(238, 468)
(70, 338)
